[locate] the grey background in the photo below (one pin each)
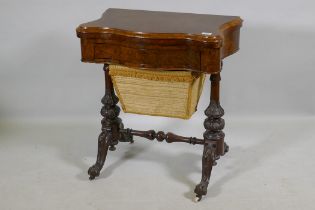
(50, 102)
(41, 76)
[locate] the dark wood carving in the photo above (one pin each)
(163, 41)
(111, 124)
(208, 159)
(161, 136)
(213, 125)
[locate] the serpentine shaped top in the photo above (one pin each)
(159, 25)
(160, 40)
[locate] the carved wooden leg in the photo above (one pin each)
(213, 136)
(208, 159)
(111, 124)
(103, 144)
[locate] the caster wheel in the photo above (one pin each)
(197, 199)
(94, 171)
(112, 148)
(226, 148)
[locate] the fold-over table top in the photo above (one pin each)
(160, 40)
(154, 23)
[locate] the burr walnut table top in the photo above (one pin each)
(160, 40)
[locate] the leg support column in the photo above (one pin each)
(111, 125)
(213, 136)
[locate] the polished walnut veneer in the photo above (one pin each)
(161, 41)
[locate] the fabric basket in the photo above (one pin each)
(159, 93)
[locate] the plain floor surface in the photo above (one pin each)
(43, 165)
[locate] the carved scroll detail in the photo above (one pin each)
(111, 125)
(214, 137)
